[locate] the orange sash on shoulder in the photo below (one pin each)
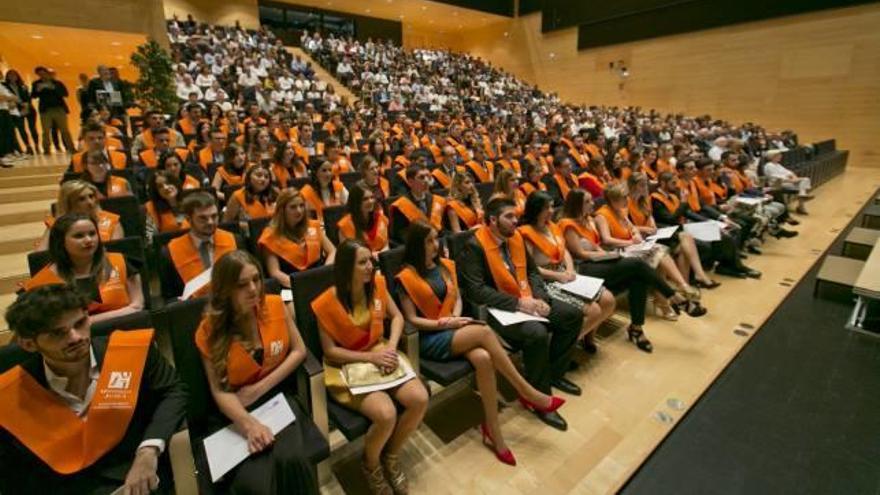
(241, 369)
(583, 231)
(617, 229)
(636, 214)
(50, 429)
(554, 250)
(423, 296)
(466, 214)
(300, 255)
(505, 282)
(376, 238)
(413, 213)
(113, 291)
(336, 321)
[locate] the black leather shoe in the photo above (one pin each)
(754, 250)
(565, 385)
(730, 272)
(552, 419)
(751, 273)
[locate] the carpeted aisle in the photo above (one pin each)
(798, 411)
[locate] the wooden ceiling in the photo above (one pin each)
(414, 14)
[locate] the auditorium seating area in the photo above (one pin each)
(411, 105)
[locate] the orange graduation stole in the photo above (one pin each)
(638, 216)
(504, 280)
(186, 257)
(617, 228)
(336, 321)
(51, 430)
(554, 250)
(564, 185)
(583, 231)
(376, 238)
(300, 255)
(241, 369)
(113, 291)
(671, 202)
(413, 213)
(423, 296)
(483, 172)
(466, 214)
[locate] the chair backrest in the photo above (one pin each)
(307, 285)
(356, 158)
(133, 321)
(181, 319)
(130, 215)
(298, 182)
(456, 243)
(485, 191)
(255, 228)
(37, 260)
(332, 216)
(350, 179)
(390, 263)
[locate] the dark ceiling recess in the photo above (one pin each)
(500, 7)
(530, 6)
(610, 22)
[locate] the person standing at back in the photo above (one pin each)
(53, 109)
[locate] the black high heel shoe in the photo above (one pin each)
(637, 337)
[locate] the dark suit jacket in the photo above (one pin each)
(664, 217)
(478, 286)
(50, 97)
(400, 224)
(160, 410)
(96, 85)
(171, 283)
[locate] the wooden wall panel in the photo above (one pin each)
(818, 74)
(130, 16)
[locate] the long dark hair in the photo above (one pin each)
(61, 258)
(414, 253)
(266, 196)
(355, 209)
(220, 311)
(163, 160)
(574, 204)
(229, 158)
(343, 270)
(158, 201)
(537, 202)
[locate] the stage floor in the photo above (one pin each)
(631, 400)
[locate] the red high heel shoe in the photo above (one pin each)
(555, 403)
(505, 456)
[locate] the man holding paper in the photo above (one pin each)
(83, 415)
(498, 272)
(188, 258)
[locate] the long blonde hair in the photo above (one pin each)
(457, 191)
(279, 218)
(501, 181)
(70, 192)
(220, 311)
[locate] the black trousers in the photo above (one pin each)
(7, 133)
(546, 348)
(632, 275)
(282, 468)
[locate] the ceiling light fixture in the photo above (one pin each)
(37, 36)
(115, 43)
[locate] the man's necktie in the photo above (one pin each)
(508, 262)
(205, 254)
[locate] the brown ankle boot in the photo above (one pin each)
(376, 481)
(394, 474)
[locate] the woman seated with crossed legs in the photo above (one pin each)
(249, 345)
(546, 245)
(351, 315)
(431, 301)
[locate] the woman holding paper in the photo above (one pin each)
(292, 242)
(463, 208)
(351, 315)
(431, 301)
(630, 274)
(617, 231)
(77, 258)
(681, 243)
(546, 245)
(249, 345)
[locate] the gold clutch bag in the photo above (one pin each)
(364, 374)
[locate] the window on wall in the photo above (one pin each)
(288, 21)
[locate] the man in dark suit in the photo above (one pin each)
(106, 91)
(53, 109)
(71, 421)
(499, 273)
(189, 255)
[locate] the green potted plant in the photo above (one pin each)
(154, 88)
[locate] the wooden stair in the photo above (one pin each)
(26, 193)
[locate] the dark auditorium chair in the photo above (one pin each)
(180, 320)
(131, 216)
(443, 372)
(350, 179)
(255, 229)
(308, 285)
(485, 191)
(133, 321)
(332, 215)
(130, 247)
